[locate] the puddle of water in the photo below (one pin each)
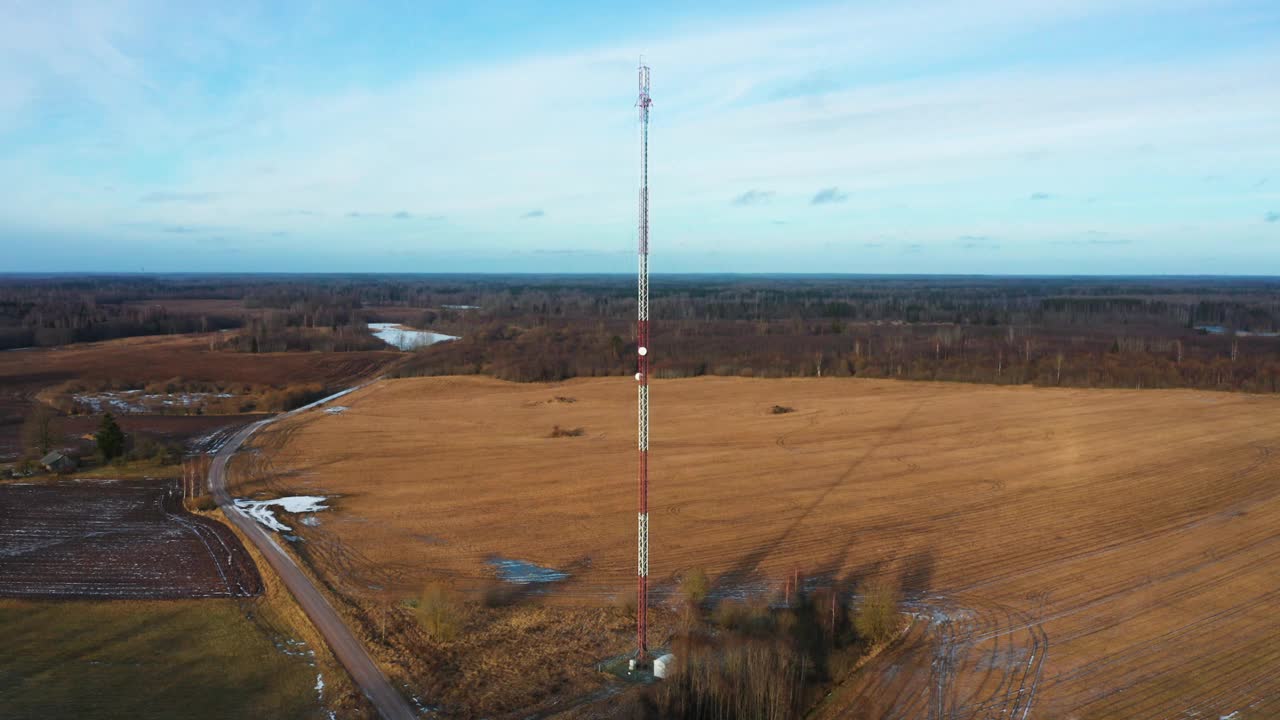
(1222, 330)
(523, 572)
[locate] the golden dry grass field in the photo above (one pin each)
(1067, 553)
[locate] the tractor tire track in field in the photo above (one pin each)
(963, 658)
(986, 660)
(1126, 675)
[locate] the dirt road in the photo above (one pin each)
(344, 645)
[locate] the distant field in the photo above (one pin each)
(151, 659)
(145, 359)
(1086, 553)
(25, 374)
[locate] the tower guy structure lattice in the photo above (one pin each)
(642, 375)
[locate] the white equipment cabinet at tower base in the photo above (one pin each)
(664, 665)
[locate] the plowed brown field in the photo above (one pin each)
(1067, 553)
(113, 539)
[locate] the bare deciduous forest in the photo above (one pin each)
(1208, 333)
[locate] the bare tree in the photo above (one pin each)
(876, 618)
(40, 430)
(439, 612)
(694, 587)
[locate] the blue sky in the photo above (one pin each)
(892, 137)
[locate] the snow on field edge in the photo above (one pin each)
(261, 511)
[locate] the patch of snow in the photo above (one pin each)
(323, 400)
(336, 409)
(407, 338)
(461, 307)
(134, 401)
(260, 510)
(320, 696)
(423, 708)
(311, 521)
(119, 402)
(295, 648)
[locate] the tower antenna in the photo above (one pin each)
(642, 374)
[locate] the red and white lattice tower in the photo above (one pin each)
(642, 375)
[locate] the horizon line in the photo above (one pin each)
(621, 275)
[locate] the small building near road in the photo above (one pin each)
(58, 462)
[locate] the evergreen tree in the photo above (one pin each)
(110, 438)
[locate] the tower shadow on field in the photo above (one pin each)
(746, 572)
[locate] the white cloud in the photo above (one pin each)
(485, 142)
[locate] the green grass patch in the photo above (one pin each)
(150, 659)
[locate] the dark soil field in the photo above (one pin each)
(115, 539)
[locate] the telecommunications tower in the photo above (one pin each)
(642, 374)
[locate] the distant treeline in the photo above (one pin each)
(279, 331)
(275, 316)
(64, 319)
(1083, 332)
(1058, 331)
(1008, 355)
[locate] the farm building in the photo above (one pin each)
(58, 462)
